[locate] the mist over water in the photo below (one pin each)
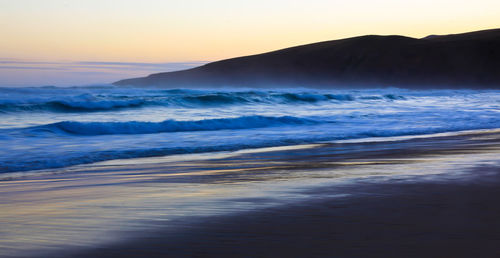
(50, 127)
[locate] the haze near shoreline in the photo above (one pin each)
(468, 60)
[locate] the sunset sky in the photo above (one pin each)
(62, 42)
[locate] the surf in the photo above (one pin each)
(50, 127)
(53, 99)
(136, 127)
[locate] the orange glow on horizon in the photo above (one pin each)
(161, 31)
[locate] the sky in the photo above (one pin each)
(75, 42)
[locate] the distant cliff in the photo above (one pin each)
(468, 60)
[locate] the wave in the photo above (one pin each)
(135, 127)
(27, 163)
(75, 106)
(308, 97)
(68, 101)
(41, 139)
(217, 99)
(71, 159)
(84, 102)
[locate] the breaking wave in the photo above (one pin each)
(67, 101)
(50, 127)
(135, 127)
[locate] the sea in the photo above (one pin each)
(83, 168)
(45, 128)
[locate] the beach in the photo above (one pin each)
(260, 129)
(443, 219)
(424, 195)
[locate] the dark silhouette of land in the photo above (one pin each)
(468, 60)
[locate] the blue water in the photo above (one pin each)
(50, 127)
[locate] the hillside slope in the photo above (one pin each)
(468, 60)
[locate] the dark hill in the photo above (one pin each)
(468, 60)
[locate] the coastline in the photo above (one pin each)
(394, 219)
(259, 129)
(263, 201)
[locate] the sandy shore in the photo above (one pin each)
(421, 197)
(440, 218)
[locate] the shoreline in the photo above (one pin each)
(174, 207)
(225, 154)
(436, 218)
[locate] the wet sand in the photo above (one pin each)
(444, 218)
(423, 197)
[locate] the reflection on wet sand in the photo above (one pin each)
(101, 203)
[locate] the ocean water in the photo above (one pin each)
(50, 127)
